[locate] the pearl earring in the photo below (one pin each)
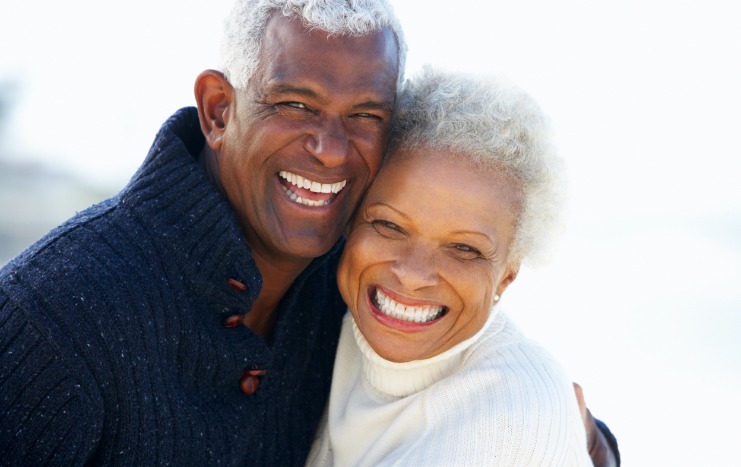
(496, 297)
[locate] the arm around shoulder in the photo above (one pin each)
(603, 446)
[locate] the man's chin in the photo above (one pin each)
(310, 247)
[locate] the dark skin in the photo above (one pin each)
(217, 94)
(318, 106)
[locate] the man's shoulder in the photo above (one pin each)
(90, 253)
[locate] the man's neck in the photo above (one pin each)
(277, 273)
(210, 165)
(277, 278)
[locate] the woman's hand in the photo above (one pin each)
(600, 449)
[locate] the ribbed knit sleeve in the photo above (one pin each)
(46, 416)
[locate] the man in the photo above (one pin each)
(124, 332)
(121, 330)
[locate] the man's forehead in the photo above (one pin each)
(289, 36)
(296, 56)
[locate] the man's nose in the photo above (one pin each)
(329, 142)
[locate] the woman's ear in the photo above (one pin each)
(214, 95)
(509, 276)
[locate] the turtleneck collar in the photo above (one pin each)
(402, 379)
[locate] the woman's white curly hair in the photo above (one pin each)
(500, 128)
(244, 28)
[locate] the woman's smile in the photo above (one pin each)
(403, 310)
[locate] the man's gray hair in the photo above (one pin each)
(245, 28)
(499, 127)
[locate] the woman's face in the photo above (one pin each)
(428, 253)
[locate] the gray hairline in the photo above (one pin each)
(498, 127)
(245, 25)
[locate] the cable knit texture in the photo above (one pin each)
(112, 344)
(494, 399)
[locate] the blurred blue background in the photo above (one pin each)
(640, 302)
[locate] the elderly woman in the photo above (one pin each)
(429, 370)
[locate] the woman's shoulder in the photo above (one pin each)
(513, 390)
(507, 371)
(503, 346)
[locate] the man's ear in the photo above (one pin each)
(214, 95)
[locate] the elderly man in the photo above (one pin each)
(125, 332)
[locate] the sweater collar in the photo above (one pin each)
(403, 379)
(192, 220)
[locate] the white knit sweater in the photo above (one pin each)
(494, 399)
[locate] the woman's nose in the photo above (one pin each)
(416, 268)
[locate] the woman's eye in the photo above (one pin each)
(386, 228)
(467, 250)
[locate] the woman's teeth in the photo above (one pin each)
(416, 314)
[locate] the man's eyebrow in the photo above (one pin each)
(290, 89)
(283, 88)
(375, 105)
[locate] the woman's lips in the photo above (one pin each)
(403, 316)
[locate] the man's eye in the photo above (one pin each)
(386, 228)
(295, 105)
(367, 115)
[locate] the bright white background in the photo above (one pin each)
(641, 302)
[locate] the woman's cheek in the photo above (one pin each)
(350, 268)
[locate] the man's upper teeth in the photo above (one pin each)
(417, 314)
(316, 187)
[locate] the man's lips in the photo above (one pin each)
(419, 313)
(308, 192)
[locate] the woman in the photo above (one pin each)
(429, 370)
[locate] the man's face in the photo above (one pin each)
(303, 142)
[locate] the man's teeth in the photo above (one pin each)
(417, 314)
(305, 202)
(316, 187)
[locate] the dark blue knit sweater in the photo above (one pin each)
(112, 344)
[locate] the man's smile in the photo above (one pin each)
(308, 192)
